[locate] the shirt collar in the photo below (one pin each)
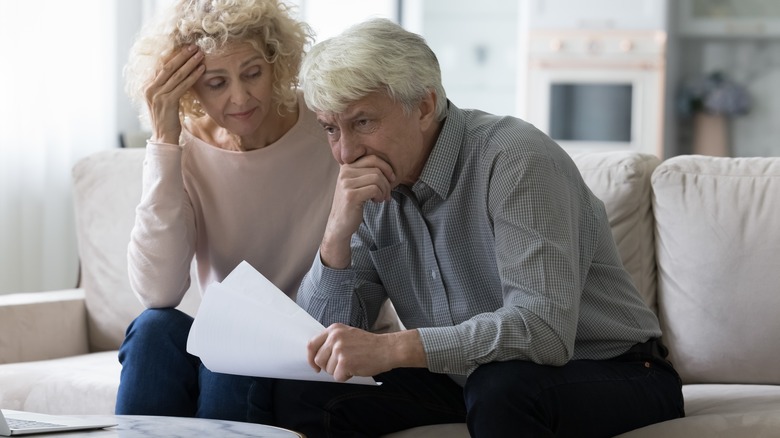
(438, 169)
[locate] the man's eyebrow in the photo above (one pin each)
(357, 114)
(344, 117)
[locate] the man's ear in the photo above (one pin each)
(427, 108)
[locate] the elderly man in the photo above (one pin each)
(519, 316)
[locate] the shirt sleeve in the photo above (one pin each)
(162, 242)
(352, 296)
(535, 210)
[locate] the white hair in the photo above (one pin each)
(376, 55)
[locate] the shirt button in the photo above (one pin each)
(433, 274)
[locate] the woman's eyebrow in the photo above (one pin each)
(243, 64)
(251, 60)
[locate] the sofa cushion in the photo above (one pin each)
(722, 411)
(622, 181)
(85, 384)
(106, 190)
(718, 245)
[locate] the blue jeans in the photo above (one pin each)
(583, 398)
(159, 377)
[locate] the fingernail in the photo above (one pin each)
(192, 48)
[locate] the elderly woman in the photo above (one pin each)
(237, 168)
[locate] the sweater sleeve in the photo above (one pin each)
(162, 242)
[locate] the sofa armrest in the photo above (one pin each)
(42, 325)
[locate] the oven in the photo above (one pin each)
(598, 90)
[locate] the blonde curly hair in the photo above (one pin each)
(213, 25)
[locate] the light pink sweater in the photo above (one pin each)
(268, 206)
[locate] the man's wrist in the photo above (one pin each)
(335, 254)
(407, 349)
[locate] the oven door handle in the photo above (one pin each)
(595, 65)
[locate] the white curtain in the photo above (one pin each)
(58, 92)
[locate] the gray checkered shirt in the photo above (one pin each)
(498, 252)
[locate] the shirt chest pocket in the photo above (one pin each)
(402, 270)
(392, 263)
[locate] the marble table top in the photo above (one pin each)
(139, 426)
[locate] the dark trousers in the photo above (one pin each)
(159, 377)
(584, 398)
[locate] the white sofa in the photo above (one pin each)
(699, 235)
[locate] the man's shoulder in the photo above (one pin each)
(493, 136)
(476, 119)
(507, 146)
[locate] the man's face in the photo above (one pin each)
(377, 125)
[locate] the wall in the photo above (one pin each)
(477, 47)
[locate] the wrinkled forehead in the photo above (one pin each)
(373, 104)
(212, 47)
(237, 52)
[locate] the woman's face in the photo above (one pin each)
(236, 90)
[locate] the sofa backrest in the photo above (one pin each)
(718, 255)
(622, 181)
(106, 190)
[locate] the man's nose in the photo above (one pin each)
(350, 149)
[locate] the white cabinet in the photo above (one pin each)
(729, 18)
(596, 14)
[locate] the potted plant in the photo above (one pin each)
(711, 100)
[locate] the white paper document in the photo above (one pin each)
(247, 326)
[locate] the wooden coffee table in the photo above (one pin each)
(140, 426)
